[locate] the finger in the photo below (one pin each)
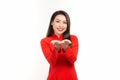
(66, 40)
(54, 41)
(57, 46)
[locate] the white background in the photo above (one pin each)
(23, 23)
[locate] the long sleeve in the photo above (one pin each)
(49, 51)
(71, 52)
(61, 62)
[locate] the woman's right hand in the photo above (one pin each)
(56, 44)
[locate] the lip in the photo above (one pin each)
(60, 29)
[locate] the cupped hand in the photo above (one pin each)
(65, 44)
(56, 44)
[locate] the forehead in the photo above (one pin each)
(60, 17)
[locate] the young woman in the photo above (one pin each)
(60, 48)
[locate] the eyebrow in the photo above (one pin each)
(60, 20)
(57, 19)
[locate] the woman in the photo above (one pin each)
(60, 48)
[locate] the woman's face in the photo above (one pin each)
(59, 24)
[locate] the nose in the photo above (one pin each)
(61, 24)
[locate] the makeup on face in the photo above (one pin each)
(59, 24)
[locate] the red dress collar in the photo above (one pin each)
(56, 37)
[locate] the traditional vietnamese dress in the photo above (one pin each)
(62, 62)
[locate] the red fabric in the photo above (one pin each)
(61, 63)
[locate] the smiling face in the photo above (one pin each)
(59, 24)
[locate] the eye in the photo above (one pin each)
(57, 21)
(65, 22)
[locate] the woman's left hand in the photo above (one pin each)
(65, 43)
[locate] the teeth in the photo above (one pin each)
(60, 29)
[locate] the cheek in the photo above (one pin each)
(55, 28)
(65, 27)
(54, 25)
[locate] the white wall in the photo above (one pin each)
(23, 23)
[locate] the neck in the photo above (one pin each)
(58, 35)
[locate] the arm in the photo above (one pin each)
(49, 52)
(71, 52)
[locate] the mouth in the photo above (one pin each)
(60, 29)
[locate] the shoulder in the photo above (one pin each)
(46, 40)
(73, 36)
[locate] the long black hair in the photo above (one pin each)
(66, 34)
